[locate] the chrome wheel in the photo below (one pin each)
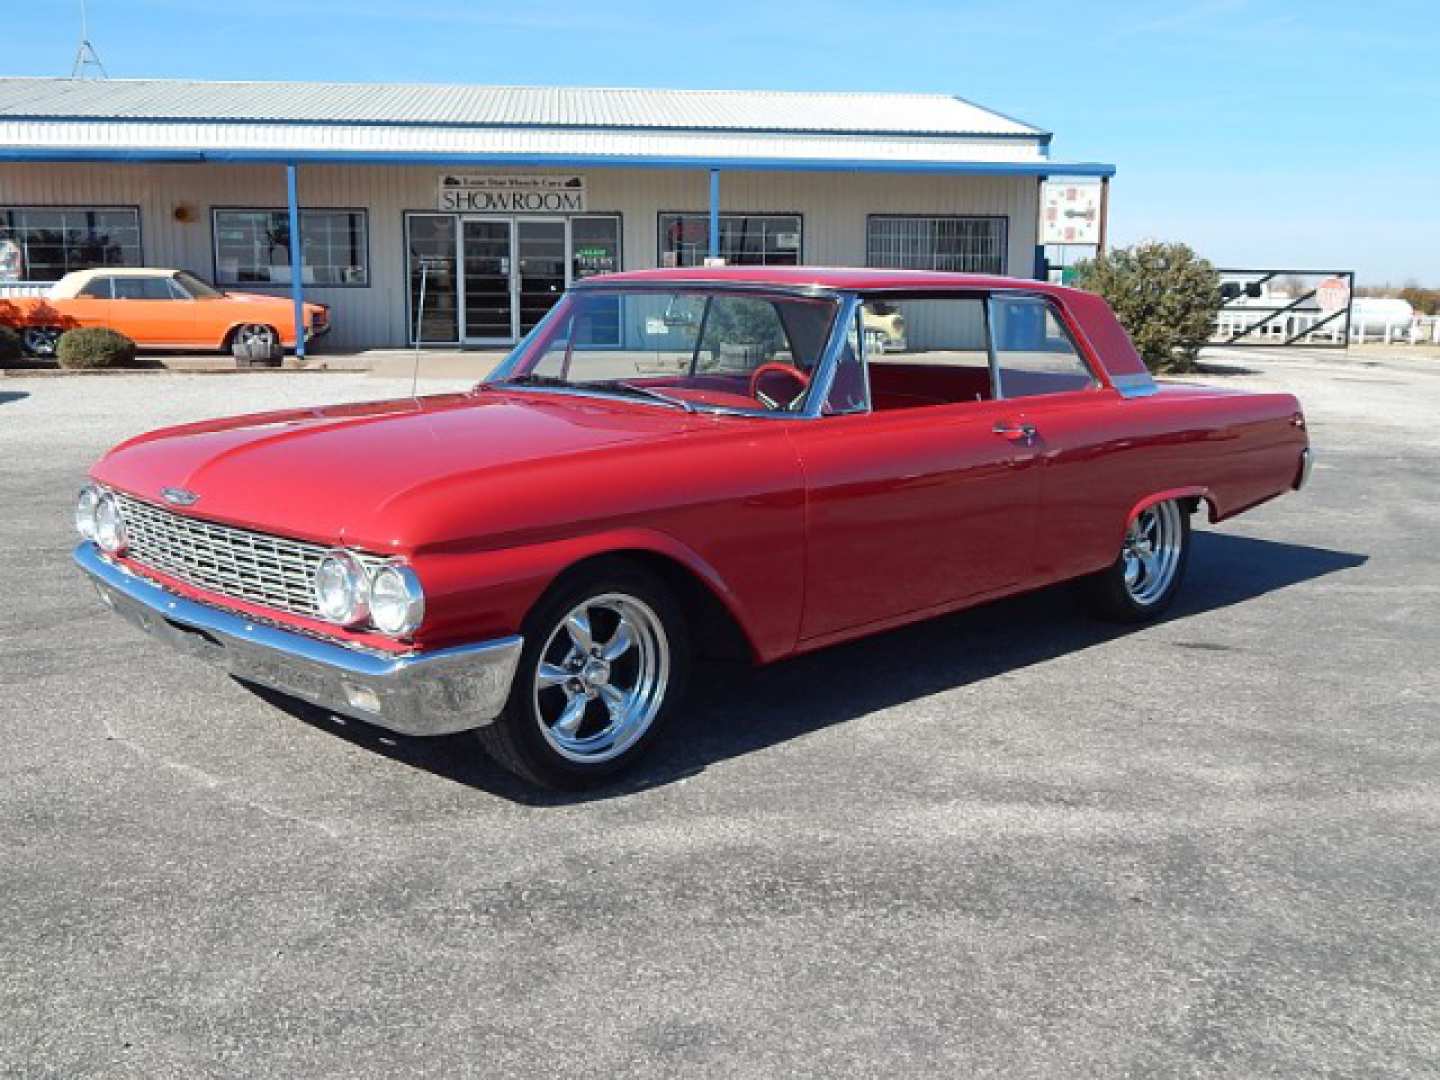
(40, 340)
(255, 336)
(1154, 543)
(601, 678)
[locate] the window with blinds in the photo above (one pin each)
(969, 245)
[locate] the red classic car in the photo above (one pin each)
(673, 462)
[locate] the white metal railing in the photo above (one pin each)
(12, 289)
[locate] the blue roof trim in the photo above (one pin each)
(1046, 167)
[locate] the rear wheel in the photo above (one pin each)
(1143, 581)
(41, 340)
(605, 659)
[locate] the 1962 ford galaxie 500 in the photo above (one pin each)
(671, 461)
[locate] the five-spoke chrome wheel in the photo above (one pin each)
(255, 341)
(1153, 545)
(602, 678)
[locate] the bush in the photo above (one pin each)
(95, 347)
(11, 348)
(1165, 296)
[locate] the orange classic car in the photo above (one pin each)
(160, 309)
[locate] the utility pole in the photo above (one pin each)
(85, 56)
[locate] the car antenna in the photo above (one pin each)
(419, 324)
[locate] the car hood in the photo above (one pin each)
(372, 475)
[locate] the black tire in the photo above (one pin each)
(1113, 594)
(518, 738)
(41, 341)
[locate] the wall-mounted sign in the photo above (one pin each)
(511, 193)
(1070, 214)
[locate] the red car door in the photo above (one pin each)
(914, 509)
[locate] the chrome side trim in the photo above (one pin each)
(425, 693)
(1133, 386)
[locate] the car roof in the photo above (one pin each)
(847, 278)
(76, 280)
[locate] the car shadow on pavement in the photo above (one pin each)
(733, 710)
(7, 396)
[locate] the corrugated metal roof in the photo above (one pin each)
(502, 106)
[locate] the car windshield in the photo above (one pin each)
(201, 290)
(705, 349)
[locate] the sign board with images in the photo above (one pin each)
(511, 193)
(1070, 213)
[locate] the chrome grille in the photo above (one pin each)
(253, 566)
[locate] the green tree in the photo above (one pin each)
(1165, 296)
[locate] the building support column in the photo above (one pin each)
(1104, 217)
(297, 269)
(714, 213)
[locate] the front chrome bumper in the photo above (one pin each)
(428, 693)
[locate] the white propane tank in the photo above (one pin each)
(1380, 313)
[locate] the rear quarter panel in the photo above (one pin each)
(1107, 455)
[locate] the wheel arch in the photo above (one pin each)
(716, 627)
(1190, 498)
(228, 340)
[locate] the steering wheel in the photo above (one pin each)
(773, 372)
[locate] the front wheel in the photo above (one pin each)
(604, 662)
(255, 342)
(1143, 581)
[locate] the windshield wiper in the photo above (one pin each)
(645, 391)
(609, 386)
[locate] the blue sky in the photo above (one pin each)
(1305, 134)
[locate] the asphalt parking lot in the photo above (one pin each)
(1009, 843)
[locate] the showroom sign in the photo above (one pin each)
(509, 193)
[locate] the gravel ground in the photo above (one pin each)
(1008, 843)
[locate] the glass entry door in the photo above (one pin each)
(540, 265)
(489, 301)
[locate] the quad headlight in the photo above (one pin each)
(342, 588)
(85, 511)
(110, 531)
(397, 603)
(390, 597)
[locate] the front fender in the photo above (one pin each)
(472, 596)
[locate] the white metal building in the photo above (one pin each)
(500, 196)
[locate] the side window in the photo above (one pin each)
(926, 351)
(98, 289)
(142, 288)
(1033, 350)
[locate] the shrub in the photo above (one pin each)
(95, 347)
(1165, 296)
(11, 348)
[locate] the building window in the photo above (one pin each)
(745, 239)
(42, 243)
(252, 247)
(972, 245)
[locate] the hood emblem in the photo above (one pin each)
(179, 496)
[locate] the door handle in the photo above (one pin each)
(1015, 431)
